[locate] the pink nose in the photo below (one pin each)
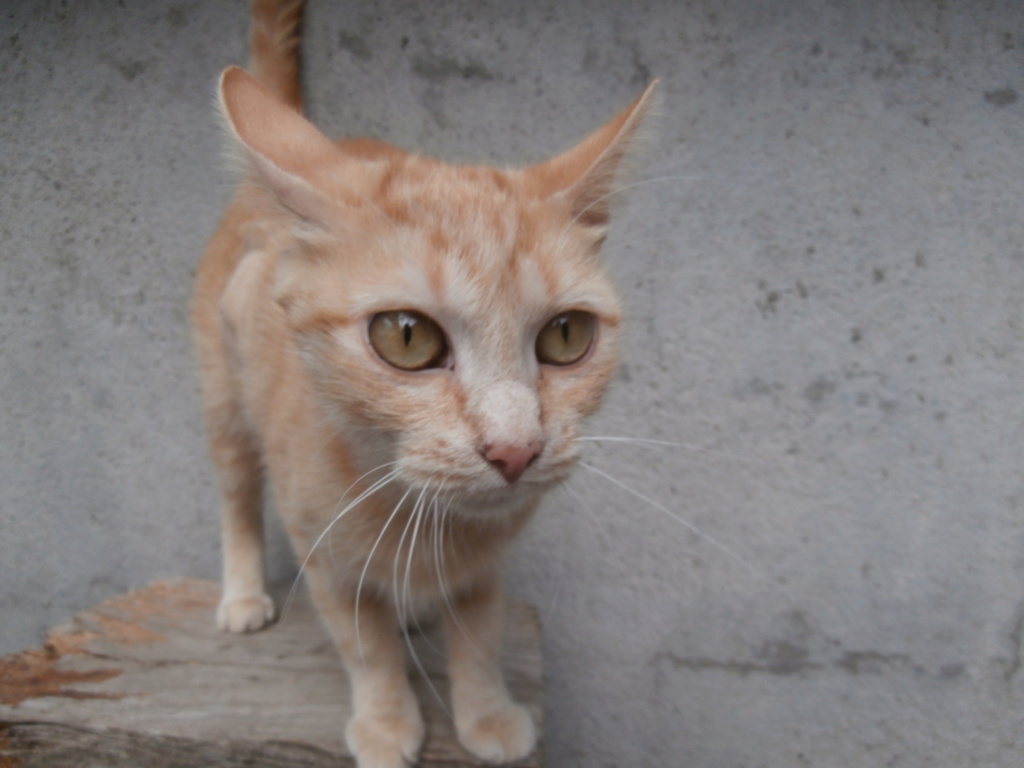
(512, 460)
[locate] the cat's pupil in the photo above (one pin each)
(566, 338)
(407, 329)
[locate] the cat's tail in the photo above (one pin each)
(274, 47)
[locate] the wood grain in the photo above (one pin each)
(146, 680)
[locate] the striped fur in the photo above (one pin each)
(446, 463)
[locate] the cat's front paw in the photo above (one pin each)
(386, 741)
(245, 614)
(501, 735)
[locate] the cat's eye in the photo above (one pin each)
(566, 338)
(408, 340)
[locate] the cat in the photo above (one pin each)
(407, 350)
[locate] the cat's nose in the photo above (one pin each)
(512, 460)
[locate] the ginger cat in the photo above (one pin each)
(407, 349)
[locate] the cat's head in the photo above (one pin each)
(455, 320)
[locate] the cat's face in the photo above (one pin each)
(455, 321)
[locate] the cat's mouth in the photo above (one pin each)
(499, 502)
(510, 498)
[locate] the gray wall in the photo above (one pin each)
(825, 276)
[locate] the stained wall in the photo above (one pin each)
(823, 262)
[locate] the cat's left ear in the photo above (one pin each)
(287, 152)
(585, 175)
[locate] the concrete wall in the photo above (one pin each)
(825, 275)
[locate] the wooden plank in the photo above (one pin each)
(145, 679)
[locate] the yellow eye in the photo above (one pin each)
(566, 338)
(408, 340)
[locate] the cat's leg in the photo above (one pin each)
(245, 605)
(488, 722)
(386, 729)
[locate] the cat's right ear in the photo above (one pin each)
(284, 148)
(585, 175)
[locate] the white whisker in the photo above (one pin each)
(433, 512)
(366, 565)
(418, 515)
(644, 441)
(401, 603)
(446, 591)
(439, 559)
(376, 486)
(682, 521)
(395, 582)
(335, 516)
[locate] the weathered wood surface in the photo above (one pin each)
(146, 680)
